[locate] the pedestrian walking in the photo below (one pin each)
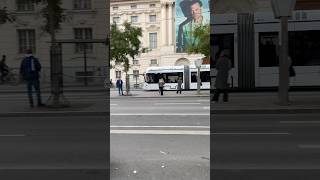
(223, 67)
(179, 87)
(161, 85)
(29, 70)
(292, 72)
(4, 69)
(119, 85)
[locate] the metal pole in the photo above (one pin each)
(85, 64)
(198, 81)
(284, 67)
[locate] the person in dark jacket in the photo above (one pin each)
(29, 70)
(4, 69)
(223, 67)
(179, 87)
(119, 86)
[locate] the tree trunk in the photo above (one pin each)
(127, 84)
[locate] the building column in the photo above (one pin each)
(170, 23)
(163, 23)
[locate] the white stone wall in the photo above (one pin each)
(95, 18)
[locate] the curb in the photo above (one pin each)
(55, 114)
(265, 111)
(49, 91)
(137, 96)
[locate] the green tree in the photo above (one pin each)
(53, 14)
(125, 45)
(5, 16)
(200, 41)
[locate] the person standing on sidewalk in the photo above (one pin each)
(29, 71)
(119, 86)
(223, 67)
(161, 85)
(292, 72)
(179, 87)
(4, 69)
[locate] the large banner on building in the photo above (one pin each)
(189, 14)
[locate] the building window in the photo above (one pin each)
(136, 73)
(83, 33)
(82, 4)
(118, 74)
(153, 40)
(152, 5)
(116, 20)
(134, 19)
(153, 62)
(27, 40)
(133, 6)
(115, 7)
(152, 18)
(25, 5)
(135, 62)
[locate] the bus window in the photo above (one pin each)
(193, 77)
(172, 77)
(204, 76)
(152, 78)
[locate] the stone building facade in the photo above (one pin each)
(84, 19)
(157, 20)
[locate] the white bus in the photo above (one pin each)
(171, 74)
(252, 43)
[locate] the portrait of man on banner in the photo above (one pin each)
(189, 14)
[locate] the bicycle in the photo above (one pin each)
(11, 78)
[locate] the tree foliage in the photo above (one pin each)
(125, 44)
(58, 16)
(5, 16)
(201, 41)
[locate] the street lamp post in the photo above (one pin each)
(198, 63)
(282, 10)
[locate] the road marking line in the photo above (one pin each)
(113, 104)
(309, 146)
(160, 114)
(206, 107)
(160, 132)
(177, 103)
(300, 122)
(200, 127)
(251, 133)
(12, 135)
(203, 100)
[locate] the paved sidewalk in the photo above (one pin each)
(155, 94)
(300, 102)
(45, 88)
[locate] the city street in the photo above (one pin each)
(37, 145)
(265, 146)
(160, 138)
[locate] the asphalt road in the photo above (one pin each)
(53, 148)
(274, 146)
(62, 147)
(160, 139)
